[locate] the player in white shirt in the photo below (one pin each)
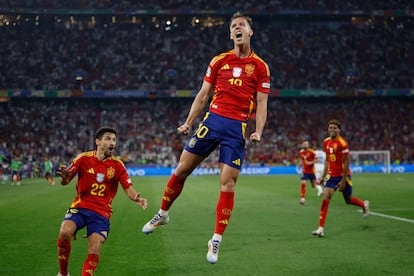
(319, 164)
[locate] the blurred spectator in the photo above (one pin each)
(143, 51)
(148, 128)
(124, 52)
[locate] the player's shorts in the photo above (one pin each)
(216, 130)
(332, 182)
(15, 172)
(308, 176)
(94, 222)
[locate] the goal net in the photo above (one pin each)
(370, 161)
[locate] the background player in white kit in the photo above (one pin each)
(319, 164)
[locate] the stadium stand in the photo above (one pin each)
(206, 4)
(159, 51)
(125, 45)
(148, 128)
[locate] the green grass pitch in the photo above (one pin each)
(269, 232)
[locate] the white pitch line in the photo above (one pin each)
(391, 217)
(395, 209)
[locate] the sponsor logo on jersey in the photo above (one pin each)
(225, 67)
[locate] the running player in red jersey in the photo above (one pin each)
(240, 81)
(308, 160)
(337, 174)
(99, 173)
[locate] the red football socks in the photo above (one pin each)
(302, 189)
(323, 212)
(63, 247)
(356, 201)
(223, 211)
(90, 264)
(172, 191)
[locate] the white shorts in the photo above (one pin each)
(319, 170)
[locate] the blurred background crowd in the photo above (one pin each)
(61, 128)
(165, 45)
(126, 50)
(268, 6)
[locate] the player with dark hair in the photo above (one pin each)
(240, 81)
(337, 174)
(99, 173)
(308, 160)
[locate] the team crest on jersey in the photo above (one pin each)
(249, 69)
(100, 177)
(237, 72)
(110, 172)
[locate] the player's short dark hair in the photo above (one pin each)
(102, 130)
(239, 14)
(335, 122)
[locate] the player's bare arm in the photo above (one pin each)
(261, 117)
(341, 184)
(65, 174)
(197, 107)
(325, 171)
(135, 196)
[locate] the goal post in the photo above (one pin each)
(371, 161)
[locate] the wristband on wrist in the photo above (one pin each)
(137, 197)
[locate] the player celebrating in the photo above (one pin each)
(241, 82)
(339, 174)
(99, 173)
(308, 158)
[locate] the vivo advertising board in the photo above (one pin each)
(143, 171)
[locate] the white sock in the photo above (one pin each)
(217, 237)
(163, 212)
(319, 187)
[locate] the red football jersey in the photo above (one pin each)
(336, 150)
(97, 182)
(236, 82)
(309, 156)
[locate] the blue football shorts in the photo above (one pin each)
(94, 222)
(332, 182)
(215, 131)
(308, 176)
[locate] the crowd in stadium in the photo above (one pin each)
(59, 128)
(164, 52)
(206, 4)
(154, 54)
